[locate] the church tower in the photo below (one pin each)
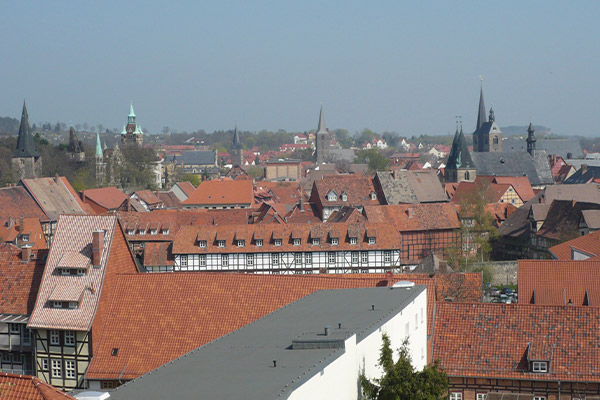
(487, 136)
(531, 140)
(322, 138)
(99, 161)
(26, 161)
(132, 132)
(460, 166)
(75, 150)
(236, 149)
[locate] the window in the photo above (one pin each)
(364, 257)
(27, 336)
(152, 232)
(353, 240)
(335, 241)
(456, 396)
(277, 242)
(25, 238)
(316, 241)
(6, 357)
(73, 305)
(481, 396)
(250, 259)
(296, 242)
(308, 258)
(57, 304)
(331, 196)
(373, 196)
(17, 358)
(14, 328)
(44, 364)
(387, 256)
(225, 260)
(258, 242)
(331, 257)
(69, 338)
(183, 261)
(354, 256)
(371, 240)
(130, 231)
(165, 232)
(56, 369)
(539, 397)
(220, 243)
(241, 243)
(202, 260)
(275, 258)
(298, 258)
(65, 271)
(202, 244)
(344, 197)
(108, 385)
(70, 368)
(540, 366)
(54, 338)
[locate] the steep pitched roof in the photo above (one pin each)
(589, 244)
(562, 220)
(357, 188)
(24, 387)
(74, 236)
(559, 147)
(559, 283)
(109, 198)
(493, 192)
(55, 196)
(186, 187)
(13, 231)
(25, 142)
(222, 192)
(481, 117)
(415, 217)
(459, 156)
(492, 340)
(19, 280)
(536, 168)
(521, 185)
(15, 202)
(411, 187)
(321, 128)
(583, 175)
(169, 199)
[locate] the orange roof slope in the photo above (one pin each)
(159, 317)
(492, 340)
(521, 185)
(11, 229)
(73, 237)
(222, 192)
(589, 244)
(19, 281)
(24, 387)
(109, 198)
(15, 202)
(555, 282)
(415, 217)
(356, 187)
(493, 192)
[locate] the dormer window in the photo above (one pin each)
(25, 237)
(220, 243)
(241, 243)
(296, 242)
(539, 366)
(154, 231)
(373, 196)
(335, 241)
(353, 240)
(165, 232)
(57, 304)
(371, 240)
(277, 242)
(316, 241)
(73, 304)
(258, 242)
(331, 196)
(142, 232)
(344, 196)
(202, 244)
(131, 231)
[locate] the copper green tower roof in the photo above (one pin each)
(25, 143)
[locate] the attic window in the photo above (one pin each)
(57, 304)
(277, 242)
(165, 231)
(344, 197)
(331, 196)
(373, 196)
(539, 366)
(353, 240)
(154, 231)
(131, 231)
(25, 237)
(241, 243)
(202, 244)
(142, 232)
(335, 241)
(296, 242)
(258, 242)
(220, 243)
(371, 240)
(316, 241)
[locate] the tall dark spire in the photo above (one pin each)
(481, 119)
(237, 143)
(25, 143)
(321, 128)
(459, 153)
(531, 139)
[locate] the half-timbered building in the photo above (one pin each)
(86, 254)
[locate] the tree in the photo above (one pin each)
(400, 381)
(373, 158)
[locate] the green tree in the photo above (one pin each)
(372, 157)
(256, 172)
(400, 381)
(194, 179)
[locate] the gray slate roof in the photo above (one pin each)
(196, 157)
(411, 187)
(536, 168)
(240, 365)
(340, 155)
(559, 147)
(25, 142)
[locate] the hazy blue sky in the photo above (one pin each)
(409, 67)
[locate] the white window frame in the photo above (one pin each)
(298, 259)
(353, 240)
(70, 338)
(44, 364)
(277, 242)
(372, 240)
(57, 304)
(373, 196)
(344, 197)
(202, 244)
(183, 261)
(481, 396)
(354, 257)
(15, 328)
(225, 260)
(54, 338)
(456, 396)
(165, 232)
(316, 241)
(56, 368)
(296, 242)
(241, 243)
(308, 258)
(387, 256)
(539, 397)
(250, 259)
(331, 257)
(202, 260)
(258, 242)
(220, 243)
(364, 257)
(73, 305)
(275, 259)
(70, 369)
(335, 241)
(25, 237)
(539, 366)
(154, 231)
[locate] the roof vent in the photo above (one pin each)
(403, 285)
(115, 351)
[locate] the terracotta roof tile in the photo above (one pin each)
(416, 217)
(493, 192)
(12, 231)
(158, 254)
(492, 340)
(186, 187)
(109, 198)
(24, 387)
(589, 244)
(222, 192)
(15, 202)
(148, 197)
(169, 199)
(556, 282)
(19, 281)
(357, 188)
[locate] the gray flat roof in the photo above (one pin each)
(240, 365)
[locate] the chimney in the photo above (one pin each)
(97, 247)
(21, 224)
(584, 168)
(395, 173)
(327, 330)
(25, 254)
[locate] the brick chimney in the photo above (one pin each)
(97, 247)
(25, 254)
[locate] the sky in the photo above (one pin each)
(406, 67)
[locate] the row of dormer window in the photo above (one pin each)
(278, 242)
(72, 271)
(65, 304)
(332, 196)
(142, 232)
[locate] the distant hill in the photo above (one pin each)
(522, 130)
(9, 126)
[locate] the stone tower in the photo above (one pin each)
(99, 161)
(75, 150)
(460, 166)
(323, 140)
(26, 161)
(132, 132)
(531, 140)
(236, 149)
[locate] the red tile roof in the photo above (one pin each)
(589, 244)
(555, 282)
(492, 340)
(19, 281)
(357, 188)
(24, 387)
(158, 254)
(148, 197)
(415, 217)
(55, 196)
(159, 317)
(109, 198)
(15, 202)
(11, 231)
(221, 192)
(521, 185)
(492, 192)
(186, 187)
(169, 199)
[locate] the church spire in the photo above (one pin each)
(98, 147)
(481, 119)
(531, 140)
(25, 143)
(321, 128)
(131, 117)
(237, 143)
